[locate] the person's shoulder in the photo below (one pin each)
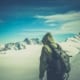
(59, 47)
(47, 49)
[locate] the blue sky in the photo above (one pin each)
(34, 18)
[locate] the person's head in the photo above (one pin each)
(48, 39)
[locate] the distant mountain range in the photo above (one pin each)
(71, 45)
(20, 45)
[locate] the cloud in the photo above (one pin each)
(71, 27)
(67, 28)
(52, 24)
(69, 22)
(70, 16)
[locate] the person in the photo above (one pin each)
(47, 63)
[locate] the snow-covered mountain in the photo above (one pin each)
(71, 45)
(20, 45)
(23, 59)
(32, 41)
(0, 45)
(13, 46)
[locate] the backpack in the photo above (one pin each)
(66, 60)
(61, 59)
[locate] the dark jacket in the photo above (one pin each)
(46, 58)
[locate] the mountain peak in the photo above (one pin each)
(72, 45)
(27, 41)
(20, 45)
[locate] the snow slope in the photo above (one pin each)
(23, 64)
(75, 68)
(71, 45)
(20, 64)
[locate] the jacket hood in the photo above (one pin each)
(48, 39)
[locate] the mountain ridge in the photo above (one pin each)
(71, 45)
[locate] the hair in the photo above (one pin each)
(48, 39)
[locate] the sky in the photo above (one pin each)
(20, 19)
